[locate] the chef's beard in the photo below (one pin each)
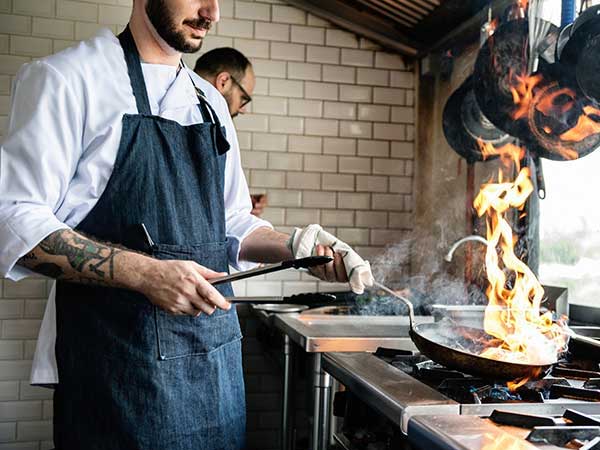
(163, 21)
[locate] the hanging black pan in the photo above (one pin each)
(563, 38)
(502, 58)
(544, 126)
(553, 118)
(464, 125)
(442, 343)
(579, 56)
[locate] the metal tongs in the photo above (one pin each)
(301, 263)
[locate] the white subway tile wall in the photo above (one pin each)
(329, 139)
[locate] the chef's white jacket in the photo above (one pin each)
(63, 136)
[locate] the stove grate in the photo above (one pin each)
(559, 391)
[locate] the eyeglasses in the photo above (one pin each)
(246, 98)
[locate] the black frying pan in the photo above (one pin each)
(502, 57)
(579, 55)
(440, 342)
(500, 61)
(464, 124)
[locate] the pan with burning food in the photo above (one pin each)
(456, 346)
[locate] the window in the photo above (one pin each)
(570, 228)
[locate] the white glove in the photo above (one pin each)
(304, 241)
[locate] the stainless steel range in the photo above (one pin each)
(316, 332)
(421, 405)
(396, 393)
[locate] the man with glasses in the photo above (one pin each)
(231, 73)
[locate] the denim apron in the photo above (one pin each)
(132, 376)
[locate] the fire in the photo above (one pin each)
(548, 105)
(539, 100)
(512, 315)
(522, 87)
(506, 441)
(585, 126)
(508, 153)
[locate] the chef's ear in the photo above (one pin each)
(222, 80)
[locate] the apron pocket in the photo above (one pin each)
(181, 336)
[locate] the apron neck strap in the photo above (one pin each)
(208, 113)
(138, 85)
(134, 68)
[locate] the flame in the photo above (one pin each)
(508, 152)
(532, 94)
(506, 441)
(521, 88)
(516, 384)
(512, 316)
(585, 126)
(548, 106)
(493, 25)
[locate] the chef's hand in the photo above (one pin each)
(181, 287)
(334, 271)
(347, 264)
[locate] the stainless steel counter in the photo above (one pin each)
(430, 419)
(386, 389)
(318, 333)
(324, 333)
(464, 433)
(470, 433)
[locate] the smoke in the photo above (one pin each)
(437, 281)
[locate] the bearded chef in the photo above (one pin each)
(121, 179)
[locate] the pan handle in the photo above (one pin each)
(407, 302)
(539, 175)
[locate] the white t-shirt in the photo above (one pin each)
(63, 136)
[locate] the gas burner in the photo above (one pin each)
(559, 431)
(574, 372)
(522, 420)
(467, 389)
(428, 370)
(479, 391)
(576, 393)
(561, 436)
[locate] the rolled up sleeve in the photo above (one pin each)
(37, 161)
(239, 222)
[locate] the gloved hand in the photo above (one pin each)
(304, 242)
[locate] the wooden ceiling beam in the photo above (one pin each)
(363, 23)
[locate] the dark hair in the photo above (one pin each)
(224, 59)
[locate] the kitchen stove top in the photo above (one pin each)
(440, 408)
(577, 380)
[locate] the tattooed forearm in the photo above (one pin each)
(68, 255)
(29, 257)
(49, 269)
(82, 253)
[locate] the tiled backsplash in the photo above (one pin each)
(329, 139)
